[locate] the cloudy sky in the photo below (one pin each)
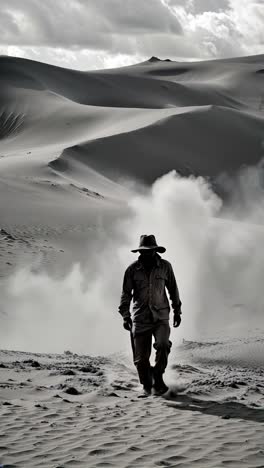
(90, 34)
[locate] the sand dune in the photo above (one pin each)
(219, 103)
(151, 84)
(148, 152)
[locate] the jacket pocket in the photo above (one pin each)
(160, 281)
(161, 277)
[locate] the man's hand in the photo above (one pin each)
(176, 319)
(127, 324)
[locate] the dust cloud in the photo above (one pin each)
(215, 249)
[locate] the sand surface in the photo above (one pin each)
(75, 148)
(212, 416)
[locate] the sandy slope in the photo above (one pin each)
(166, 143)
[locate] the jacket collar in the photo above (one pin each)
(140, 266)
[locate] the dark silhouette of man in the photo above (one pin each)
(146, 281)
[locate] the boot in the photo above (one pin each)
(145, 392)
(147, 385)
(159, 385)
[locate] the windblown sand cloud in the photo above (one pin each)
(217, 261)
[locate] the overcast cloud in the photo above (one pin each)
(103, 33)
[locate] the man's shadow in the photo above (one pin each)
(226, 410)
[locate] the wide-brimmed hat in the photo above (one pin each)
(149, 243)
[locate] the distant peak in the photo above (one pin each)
(156, 59)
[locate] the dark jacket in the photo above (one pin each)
(150, 301)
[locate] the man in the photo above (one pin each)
(146, 281)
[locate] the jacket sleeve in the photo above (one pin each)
(172, 288)
(126, 296)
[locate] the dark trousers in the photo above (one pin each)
(162, 345)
